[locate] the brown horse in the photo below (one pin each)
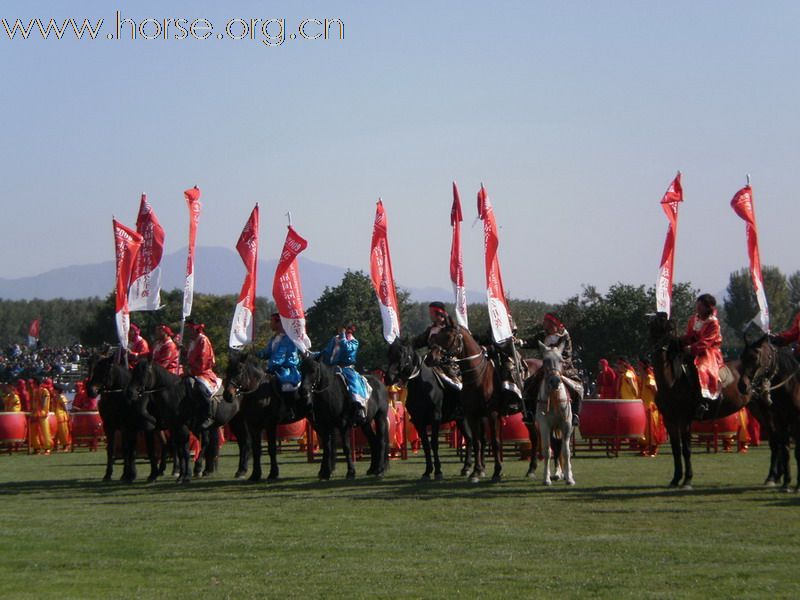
(483, 398)
(679, 394)
(767, 368)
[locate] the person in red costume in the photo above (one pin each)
(703, 341)
(165, 350)
(790, 336)
(606, 380)
(200, 363)
(24, 395)
(137, 346)
(82, 401)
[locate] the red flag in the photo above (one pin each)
(669, 203)
(742, 204)
(193, 202)
(145, 290)
(126, 245)
(243, 326)
(33, 333)
(382, 276)
(499, 315)
(287, 292)
(456, 262)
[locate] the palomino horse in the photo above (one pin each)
(554, 411)
(333, 412)
(679, 394)
(483, 398)
(766, 368)
(430, 403)
(263, 408)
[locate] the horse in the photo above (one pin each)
(678, 394)
(109, 379)
(332, 406)
(429, 403)
(482, 396)
(767, 368)
(554, 411)
(263, 407)
(176, 408)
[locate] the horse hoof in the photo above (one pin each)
(239, 476)
(673, 484)
(570, 481)
(425, 477)
(786, 489)
(497, 478)
(152, 479)
(272, 479)
(770, 483)
(322, 477)
(438, 477)
(107, 478)
(687, 487)
(350, 475)
(380, 474)
(547, 482)
(464, 472)
(474, 479)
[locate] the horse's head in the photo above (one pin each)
(447, 341)
(401, 362)
(103, 374)
(311, 372)
(142, 378)
(243, 376)
(662, 329)
(758, 363)
(552, 365)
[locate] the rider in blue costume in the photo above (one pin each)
(341, 352)
(283, 359)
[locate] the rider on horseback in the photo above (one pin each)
(200, 363)
(447, 365)
(555, 333)
(138, 347)
(702, 342)
(283, 360)
(341, 352)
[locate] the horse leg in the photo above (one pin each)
(556, 446)
(180, 437)
(255, 445)
(128, 456)
(675, 443)
(797, 462)
(211, 451)
(566, 455)
(162, 463)
(686, 442)
(272, 447)
(348, 455)
(199, 458)
(239, 428)
(469, 452)
(422, 433)
(478, 468)
(534, 438)
(111, 435)
(544, 436)
(437, 463)
(381, 457)
(150, 441)
(325, 443)
(494, 432)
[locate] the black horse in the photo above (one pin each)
(765, 368)
(176, 407)
(333, 412)
(110, 379)
(429, 403)
(679, 394)
(263, 407)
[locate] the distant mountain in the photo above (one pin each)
(217, 271)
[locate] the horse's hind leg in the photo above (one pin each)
(544, 435)
(675, 444)
(150, 440)
(466, 433)
(494, 432)
(348, 453)
(534, 438)
(437, 463)
(211, 451)
(686, 442)
(272, 447)
(111, 435)
(566, 455)
(422, 432)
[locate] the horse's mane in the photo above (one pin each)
(786, 362)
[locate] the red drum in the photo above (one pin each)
(86, 424)
(13, 427)
(292, 431)
(729, 425)
(513, 429)
(612, 418)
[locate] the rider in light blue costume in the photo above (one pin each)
(283, 359)
(341, 352)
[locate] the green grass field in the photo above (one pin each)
(619, 533)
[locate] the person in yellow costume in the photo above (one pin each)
(40, 430)
(11, 401)
(627, 381)
(62, 433)
(654, 430)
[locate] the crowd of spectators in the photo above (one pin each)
(22, 362)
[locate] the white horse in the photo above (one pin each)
(554, 412)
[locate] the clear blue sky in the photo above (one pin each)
(575, 115)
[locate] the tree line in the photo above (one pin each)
(610, 325)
